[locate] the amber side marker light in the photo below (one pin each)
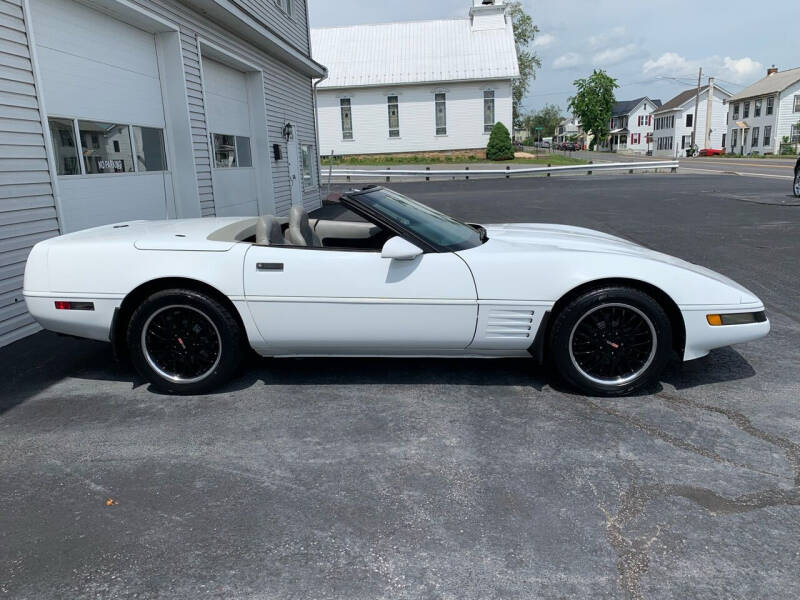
(736, 318)
(67, 305)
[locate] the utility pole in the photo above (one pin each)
(709, 109)
(696, 105)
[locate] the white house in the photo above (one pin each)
(631, 126)
(567, 129)
(674, 121)
(761, 115)
(416, 86)
(113, 110)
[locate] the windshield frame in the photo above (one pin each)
(352, 201)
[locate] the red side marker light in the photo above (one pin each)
(66, 305)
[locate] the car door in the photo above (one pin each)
(338, 301)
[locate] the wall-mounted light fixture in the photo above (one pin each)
(288, 129)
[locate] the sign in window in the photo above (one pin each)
(83, 147)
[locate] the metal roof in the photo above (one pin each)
(623, 107)
(777, 82)
(414, 52)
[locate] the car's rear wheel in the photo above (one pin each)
(611, 341)
(184, 341)
(796, 187)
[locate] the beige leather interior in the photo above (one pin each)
(300, 232)
(268, 231)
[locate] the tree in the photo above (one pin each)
(524, 32)
(548, 118)
(500, 146)
(593, 102)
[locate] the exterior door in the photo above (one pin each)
(295, 170)
(323, 301)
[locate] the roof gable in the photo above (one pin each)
(414, 52)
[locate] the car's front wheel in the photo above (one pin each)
(796, 187)
(184, 341)
(611, 341)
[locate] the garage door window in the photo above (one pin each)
(62, 132)
(150, 154)
(231, 151)
(106, 147)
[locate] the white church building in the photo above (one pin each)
(417, 86)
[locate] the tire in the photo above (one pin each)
(184, 342)
(796, 186)
(589, 336)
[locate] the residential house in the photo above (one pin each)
(113, 110)
(567, 130)
(631, 126)
(417, 86)
(761, 115)
(674, 121)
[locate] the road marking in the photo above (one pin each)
(743, 174)
(763, 164)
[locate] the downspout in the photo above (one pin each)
(316, 113)
(316, 132)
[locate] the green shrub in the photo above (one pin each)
(500, 146)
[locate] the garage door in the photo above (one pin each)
(231, 137)
(103, 95)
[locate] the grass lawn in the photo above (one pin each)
(390, 160)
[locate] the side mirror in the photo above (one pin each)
(400, 249)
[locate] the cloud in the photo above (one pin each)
(543, 40)
(612, 56)
(737, 70)
(743, 70)
(595, 41)
(567, 61)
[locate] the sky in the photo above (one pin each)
(652, 49)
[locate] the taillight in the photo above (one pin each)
(68, 305)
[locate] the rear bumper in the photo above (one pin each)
(92, 324)
(702, 337)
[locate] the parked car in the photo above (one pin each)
(711, 152)
(796, 187)
(185, 298)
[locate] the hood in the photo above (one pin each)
(600, 249)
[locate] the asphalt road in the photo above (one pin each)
(354, 478)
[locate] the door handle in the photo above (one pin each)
(269, 266)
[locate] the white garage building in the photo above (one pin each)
(113, 110)
(418, 86)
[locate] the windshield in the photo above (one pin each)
(437, 229)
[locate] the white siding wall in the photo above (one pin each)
(27, 207)
(644, 109)
(753, 121)
(786, 115)
(288, 96)
(417, 118)
(293, 28)
(718, 125)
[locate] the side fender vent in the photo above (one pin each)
(508, 323)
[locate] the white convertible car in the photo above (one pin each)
(185, 298)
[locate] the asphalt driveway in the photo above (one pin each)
(355, 478)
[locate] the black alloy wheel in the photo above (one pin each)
(184, 341)
(611, 341)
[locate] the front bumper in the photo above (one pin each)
(702, 337)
